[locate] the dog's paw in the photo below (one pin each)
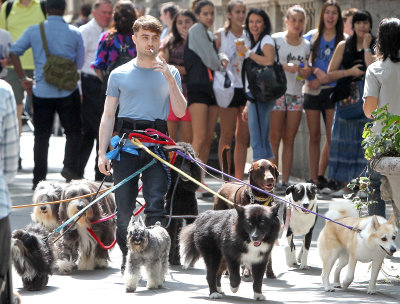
(101, 263)
(86, 264)
(271, 275)
(234, 289)
(215, 295)
(65, 266)
(259, 297)
(130, 288)
(304, 266)
(337, 285)
(371, 290)
(346, 283)
(329, 288)
(219, 289)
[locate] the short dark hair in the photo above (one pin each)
(148, 23)
(388, 41)
(348, 13)
(86, 9)
(201, 4)
(267, 24)
(172, 9)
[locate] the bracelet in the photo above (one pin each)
(247, 54)
(367, 50)
(23, 79)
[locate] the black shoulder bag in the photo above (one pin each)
(266, 83)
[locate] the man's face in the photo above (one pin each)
(165, 18)
(147, 42)
(103, 14)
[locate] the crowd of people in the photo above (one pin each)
(325, 72)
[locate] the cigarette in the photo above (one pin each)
(151, 51)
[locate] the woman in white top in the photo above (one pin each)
(293, 51)
(381, 87)
(231, 122)
(258, 29)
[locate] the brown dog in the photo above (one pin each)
(263, 174)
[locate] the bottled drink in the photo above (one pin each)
(298, 77)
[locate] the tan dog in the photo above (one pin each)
(375, 240)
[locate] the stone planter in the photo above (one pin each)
(390, 168)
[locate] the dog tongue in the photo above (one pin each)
(256, 244)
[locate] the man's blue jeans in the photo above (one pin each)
(259, 120)
(155, 186)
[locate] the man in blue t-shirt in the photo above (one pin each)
(143, 89)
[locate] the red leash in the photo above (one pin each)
(98, 240)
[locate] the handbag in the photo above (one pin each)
(266, 83)
(352, 107)
(223, 88)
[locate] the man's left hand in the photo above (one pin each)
(162, 66)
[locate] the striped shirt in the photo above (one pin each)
(9, 145)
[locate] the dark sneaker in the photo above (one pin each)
(322, 182)
(69, 175)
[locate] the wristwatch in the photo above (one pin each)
(367, 50)
(247, 54)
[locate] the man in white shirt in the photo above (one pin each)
(92, 96)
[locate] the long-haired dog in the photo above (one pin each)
(263, 174)
(301, 222)
(182, 197)
(147, 247)
(47, 215)
(374, 239)
(33, 258)
(229, 238)
(78, 242)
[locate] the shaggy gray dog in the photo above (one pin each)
(148, 247)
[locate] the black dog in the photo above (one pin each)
(33, 258)
(228, 238)
(183, 199)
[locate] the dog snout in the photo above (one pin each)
(306, 205)
(80, 207)
(392, 249)
(43, 208)
(255, 236)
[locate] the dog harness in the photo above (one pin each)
(266, 201)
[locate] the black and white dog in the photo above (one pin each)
(182, 197)
(33, 258)
(301, 222)
(148, 247)
(227, 239)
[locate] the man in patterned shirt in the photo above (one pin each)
(9, 151)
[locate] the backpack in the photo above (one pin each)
(58, 71)
(123, 57)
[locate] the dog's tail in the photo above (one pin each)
(225, 164)
(188, 250)
(339, 210)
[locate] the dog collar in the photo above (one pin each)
(265, 200)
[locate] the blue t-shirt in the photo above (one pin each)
(143, 93)
(325, 51)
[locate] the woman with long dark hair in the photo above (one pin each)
(172, 50)
(382, 87)
(118, 39)
(349, 62)
(258, 28)
(318, 88)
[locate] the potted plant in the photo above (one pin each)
(382, 150)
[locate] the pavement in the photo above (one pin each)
(292, 285)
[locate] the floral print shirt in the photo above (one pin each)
(108, 51)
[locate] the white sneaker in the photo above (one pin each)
(339, 193)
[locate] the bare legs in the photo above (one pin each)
(318, 161)
(184, 128)
(284, 126)
(204, 119)
(231, 119)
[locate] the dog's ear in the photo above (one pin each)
(375, 223)
(392, 220)
(289, 189)
(275, 172)
(275, 209)
(140, 221)
(239, 209)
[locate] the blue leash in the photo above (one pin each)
(153, 161)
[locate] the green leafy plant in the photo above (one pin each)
(381, 138)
